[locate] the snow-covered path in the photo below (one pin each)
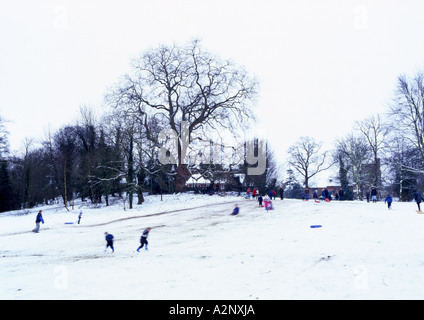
(198, 251)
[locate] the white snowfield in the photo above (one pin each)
(198, 251)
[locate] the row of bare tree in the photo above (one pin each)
(385, 151)
(203, 99)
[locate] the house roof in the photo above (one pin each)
(198, 179)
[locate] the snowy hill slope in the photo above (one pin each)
(198, 251)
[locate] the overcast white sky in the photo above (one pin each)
(322, 64)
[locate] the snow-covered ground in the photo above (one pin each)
(198, 251)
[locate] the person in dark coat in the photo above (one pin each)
(281, 193)
(341, 194)
(143, 239)
(389, 201)
(260, 199)
(326, 194)
(306, 194)
(418, 198)
(109, 241)
(374, 195)
(37, 221)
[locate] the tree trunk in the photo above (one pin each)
(140, 196)
(65, 198)
(181, 178)
(131, 173)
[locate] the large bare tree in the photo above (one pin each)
(189, 91)
(407, 110)
(3, 138)
(374, 132)
(354, 152)
(306, 158)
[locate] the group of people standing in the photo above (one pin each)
(266, 200)
(271, 193)
(325, 194)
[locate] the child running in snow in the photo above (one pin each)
(143, 239)
(109, 241)
(389, 201)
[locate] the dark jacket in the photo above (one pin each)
(109, 238)
(236, 211)
(388, 199)
(145, 234)
(417, 196)
(39, 218)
